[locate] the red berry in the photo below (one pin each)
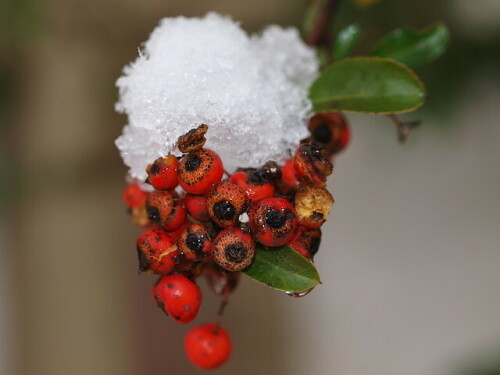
(254, 182)
(166, 209)
(162, 174)
(311, 163)
(307, 242)
(233, 249)
(194, 242)
(274, 221)
(330, 128)
(134, 196)
(199, 170)
(208, 346)
(196, 206)
(178, 296)
(226, 202)
(156, 251)
(289, 174)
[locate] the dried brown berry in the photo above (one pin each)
(313, 205)
(193, 140)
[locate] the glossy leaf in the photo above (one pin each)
(414, 48)
(367, 85)
(284, 269)
(346, 40)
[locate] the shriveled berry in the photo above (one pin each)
(311, 163)
(162, 174)
(194, 242)
(313, 205)
(196, 206)
(273, 221)
(226, 202)
(255, 182)
(289, 174)
(199, 170)
(178, 296)
(208, 346)
(166, 209)
(330, 128)
(233, 249)
(134, 196)
(193, 140)
(156, 251)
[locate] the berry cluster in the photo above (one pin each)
(211, 226)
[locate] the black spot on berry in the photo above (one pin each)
(153, 214)
(143, 261)
(314, 246)
(195, 242)
(155, 169)
(170, 285)
(322, 133)
(276, 219)
(235, 253)
(193, 162)
(224, 210)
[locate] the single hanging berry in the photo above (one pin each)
(208, 346)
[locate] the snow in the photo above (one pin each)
(250, 90)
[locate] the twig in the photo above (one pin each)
(403, 128)
(320, 35)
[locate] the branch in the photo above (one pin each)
(320, 36)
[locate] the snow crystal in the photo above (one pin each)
(251, 91)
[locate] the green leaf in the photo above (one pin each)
(284, 269)
(312, 12)
(414, 48)
(367, 85)
(346, 40)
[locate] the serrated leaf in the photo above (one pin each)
(284, 269)
(367, 85)
(414, 48)
(345, 41)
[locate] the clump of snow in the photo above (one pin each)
(251, 91)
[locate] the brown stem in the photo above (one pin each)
(403, 128)
(220, 313)
(320, 36)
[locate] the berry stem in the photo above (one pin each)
(220, 314)
(403, 128)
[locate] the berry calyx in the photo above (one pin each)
(226, 202)
(255, 182)
(196, 206)
(199, 170)
(330, 128)
(134, 196)
(166, 209)
(233, 249)
(208, 346)
(311, 163)
(162, 174)
(178, 296)
(156, 251)
(273, 221)
(313, 205)
(194, 242)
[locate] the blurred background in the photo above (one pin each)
(410, 260)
